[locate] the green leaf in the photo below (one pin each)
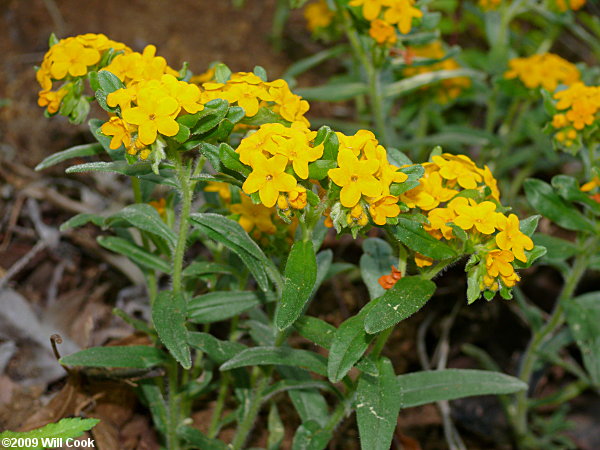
(333, 92)
(199, 268)
(264, 115)
(234, 237)
(231, 160)
(318, 170)
(378, 400)
(275, 427)
(217, 350)
(79, 151)
(583, 317)
(132, 356)
(311, 436)
(288, 385)
(412, 234)
(222, 73)
(168, 315)
(405, 298)
(268, 356)
(430, 386)
(309, 403)
(529, 225)
(68, 428)
(198, 439)
(300, 277)
(543, 198)
(109, 82)
(150, 393)
(315, 330)
(348, 345)
(122, 167)
(568, 188)
(134, 252)
(221, 305)
(82, 219)
(144, 217)
(377, 260)
(556, 248)
(424, 79)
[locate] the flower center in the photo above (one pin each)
(354, 178)
(269, 177)
(152, 116)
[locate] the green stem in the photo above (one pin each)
(380, 342)
(174, 407)
(431, 273)
(563, 395)
(183, 172)
(213, 429)
(530, 357)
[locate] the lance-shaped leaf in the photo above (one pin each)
(311, 436)
(234, 237)
(378, 400)
(168, 315)
(405, 298)
(217, 350)
(198, 439)
(134, 252)
(412, 234)
(543, 198)
(300, 278)
(583, 317)
(144, 217)
(309, 403)
(348, 345)
(132, 356)
(78, 151)
(221, 305)
(430, 386)
(268, 356)
(68, 428)
(377, 260)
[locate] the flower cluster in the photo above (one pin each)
(147, 108)
(318, 15)
(391, 12)
(545, 70)
(365, 177)
(68, 60)
(577, 109)
(251, 93)
(449, 88)
(456, 194)
(279, 157)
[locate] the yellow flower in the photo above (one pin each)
(269, 178)
(498, 262)
(186, 94)
(402, 12)
(355, 178)
(489, 4)
(160, 206)
(564, 5)
(422, 260)
(119, 131)
(458, 168)
(511, 237)
(370, 8)
(382, 32)
(318, 15)
(220, 188)
(252, 215)
(545, 70)
(203, 77)
(154, 114)
(490, 182)
(384, 207)
(363, 141)
(482, 216)
(438, 218)
(52, 99)
(357, 216)
(72, 58)
(297, 198)
(595, 182)
(430, 192)
(296, 149)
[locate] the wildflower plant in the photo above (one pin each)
(272, 187)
